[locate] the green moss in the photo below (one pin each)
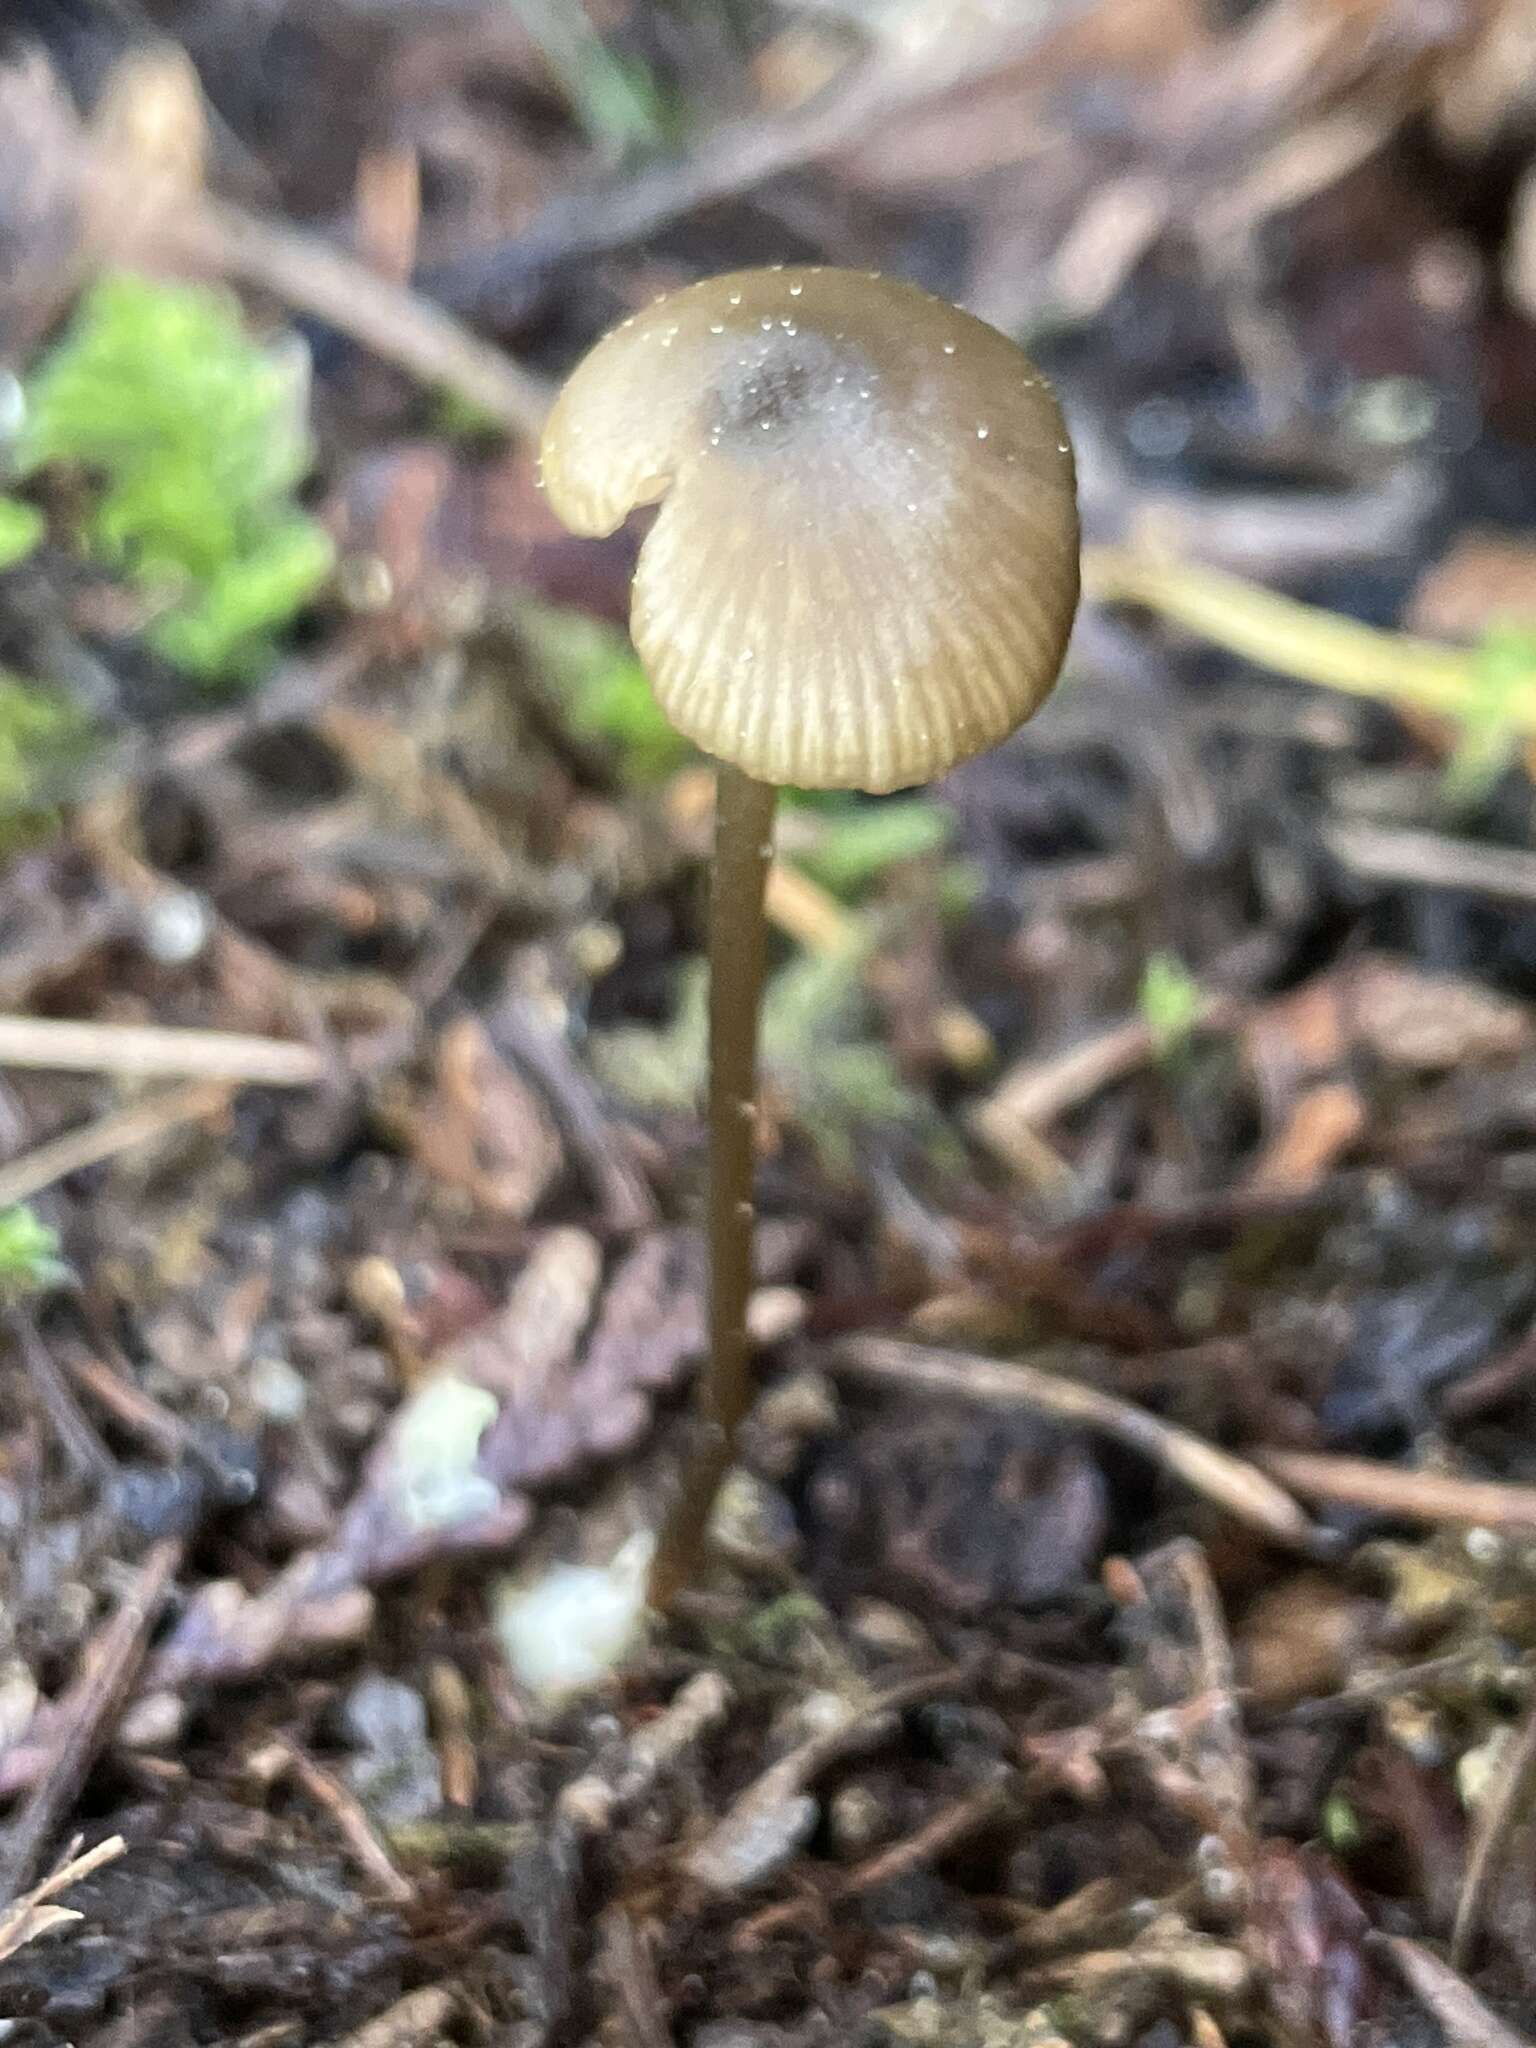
(816, 1054)
(29, 1254)
(604, 692)
(38, 728)
(861, 842)
(1169, 1001)
(194, 439)
(615, 96)
(1491, 726)
(21, 528)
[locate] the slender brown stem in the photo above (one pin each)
(743, 843)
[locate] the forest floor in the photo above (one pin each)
(1122, 1627)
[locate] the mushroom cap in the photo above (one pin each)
(865, 564)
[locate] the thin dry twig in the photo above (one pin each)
(1232, 1482)
(35, 1914)
(452, 1715)
(1033, 1094)
(864, 100)
(1428, 860)
(145, 1051)
(78, 1438)
(411, 2022)
(116, 1132)
(595, 1798)
(86, 1714)
(1490, 1834)
(956, 1821)
(776, 1812)
(366, 1846)
(396, 324)
(1464, 2019)
(1393, 1490)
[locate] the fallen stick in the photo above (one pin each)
(108, 1135)
(1395, 1490)
(88, 1711)
(139, 1050)
(1233, 1483)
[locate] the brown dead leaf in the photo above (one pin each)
(41, 201)
(522, 1401)
(149, 135)
(1520, 276)
(1430, 1022)
(1388, 1009)
(1299, 1638)
(481, 1130)
(1320, 1126)
(433, 517)
(1483, 579)
(1308, 1931)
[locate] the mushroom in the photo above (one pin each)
(863, 570)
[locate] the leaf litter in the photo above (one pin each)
(1123, 1629)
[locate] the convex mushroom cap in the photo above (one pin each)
(865, 564)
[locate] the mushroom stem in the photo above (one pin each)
(743, 846)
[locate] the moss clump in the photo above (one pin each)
(194, 440)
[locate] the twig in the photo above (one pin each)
(1397, 853)
(1300, 640)
(40, 1168)
(1231, 1482)
(775, 1813)
(363, 1840)
(595, 1798)
(1393, 1490)
(81, 1444)
(167, 1434)
(520, 1032)
(1490, 1835)
(742, 154)
(411, 2022)
(34, 1914)
(1464, 2019)
(1492, 1384)
(1360, 1694)
(953, 1823)
(139, 1051)
(458, 1762)
(1033, 1094)
(395, 323)
(86, 1715)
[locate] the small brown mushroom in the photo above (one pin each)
(864, 569)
